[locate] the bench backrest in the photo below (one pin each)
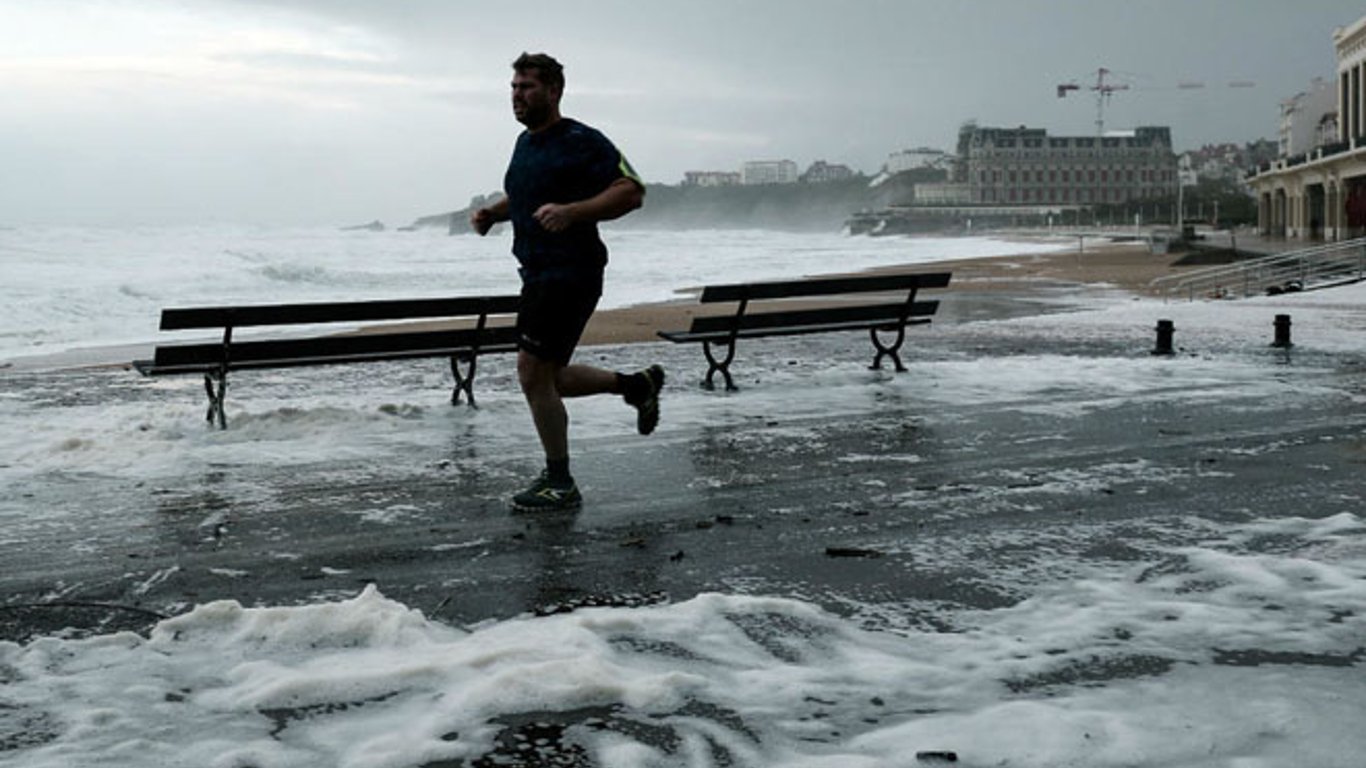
(833, 317)
(823, 287)
(335, 312)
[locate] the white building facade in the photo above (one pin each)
(1303, 117)
(769, 172)
(710, 178)
(1320, 193)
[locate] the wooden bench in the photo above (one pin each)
(215, 359)
(890, 317)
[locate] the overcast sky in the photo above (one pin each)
(342, 111)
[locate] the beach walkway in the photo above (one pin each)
(1037, 543)
(844, 486)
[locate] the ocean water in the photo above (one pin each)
(67, 288)
(1227, 640)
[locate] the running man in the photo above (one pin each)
(564, 178)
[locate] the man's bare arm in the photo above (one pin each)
(620, 198)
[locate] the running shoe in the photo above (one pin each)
(545, 495)
(646, 400)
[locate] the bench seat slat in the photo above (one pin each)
(149, 368)
(791, 330)
(335, 312)
(268, 353)
(823, 286)
(862, 315)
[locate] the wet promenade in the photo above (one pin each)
(1003, 455)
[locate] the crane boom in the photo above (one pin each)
(1104, 88)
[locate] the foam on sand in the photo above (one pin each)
(1156, 666)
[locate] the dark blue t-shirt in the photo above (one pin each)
(565, 163)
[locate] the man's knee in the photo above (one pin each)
(534, 374)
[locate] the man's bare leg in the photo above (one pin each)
(539, 385)
(640, 389)
(545, 384)
(585, 380)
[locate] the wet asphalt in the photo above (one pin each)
(999, 496)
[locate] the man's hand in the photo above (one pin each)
(555, 217)
(482, 220)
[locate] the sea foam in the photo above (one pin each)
(738, 680)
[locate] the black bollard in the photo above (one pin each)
(1165, 328)
(1282, 325)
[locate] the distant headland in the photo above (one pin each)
(798, 207)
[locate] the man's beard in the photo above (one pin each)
(533, 115)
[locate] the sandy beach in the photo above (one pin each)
(1127, 266)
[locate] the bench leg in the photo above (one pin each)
(888, 350)
(714, 365)
(464, 381)
(216, 384)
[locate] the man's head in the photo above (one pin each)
(537, 84)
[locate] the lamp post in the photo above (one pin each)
(1180, 201)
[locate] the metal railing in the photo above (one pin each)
(1293, 270)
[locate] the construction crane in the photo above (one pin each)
(1104, 88)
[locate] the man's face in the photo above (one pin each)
(533, 102)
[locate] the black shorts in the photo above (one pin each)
(553, 315)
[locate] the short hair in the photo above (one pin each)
(548, 70)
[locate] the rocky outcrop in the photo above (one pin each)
(454, 222)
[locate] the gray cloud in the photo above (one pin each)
(337, 110)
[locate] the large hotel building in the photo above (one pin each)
(1007, 176)
(1320, 193)
(1026, 166)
